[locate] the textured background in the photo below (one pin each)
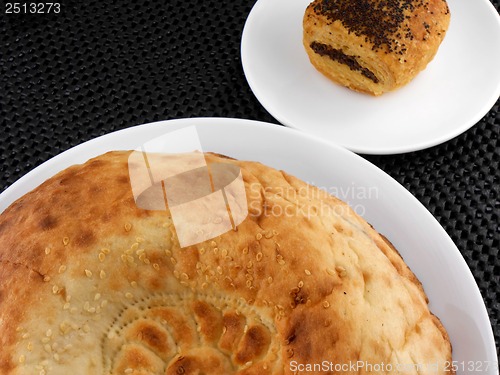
(100, 66)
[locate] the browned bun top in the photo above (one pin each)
(92, 284)
(386, 24)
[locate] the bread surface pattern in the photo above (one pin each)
(91, 284)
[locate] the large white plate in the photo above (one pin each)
(455, 91)
(425, 246)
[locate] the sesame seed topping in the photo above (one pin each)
(97, 296)
(22, 358)
(128, 227)
(326, 304)
(258, 257)
(62, 269)
(307, 272)
(300, 284)
(65, 241)
(46, 278)
(258, 236)
(129, 295)
(47, 250)
(156, 266)
(102, 256)
(102, 274)
(88, 273)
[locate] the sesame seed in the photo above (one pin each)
(128, 227)
(66, 306)
(147, 261)
(129, 295)
(55, 289)
(102, 256)
(258, 257)
(341, 271)
(133, 284)
(258, 236)
(65, 241)
(47, 250)
(307, 272)
(300, 284)
(128, 371)
(102, 274)
(88, 273)
(185, 276)
(245, 250)
(97, 296)
(219, 270)
(156, 266)
(46, 278)
(326, 304)
(270, 280)
(134, 246)
(22, 358)
(105, 250)
(330, 272)
(48, 333)
(62, 269)
(173, 260)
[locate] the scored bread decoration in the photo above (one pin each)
(91, 284)
(374, 46)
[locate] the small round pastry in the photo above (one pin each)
(374, 46)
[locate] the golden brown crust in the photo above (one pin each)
(91, 284)
(374, 46)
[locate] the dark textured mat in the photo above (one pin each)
(100, 66)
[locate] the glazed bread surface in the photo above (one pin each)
(374, 46)
(91, 284)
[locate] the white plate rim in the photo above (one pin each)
(280, 116)
(130, 136)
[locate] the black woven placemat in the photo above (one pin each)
(100, 66)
